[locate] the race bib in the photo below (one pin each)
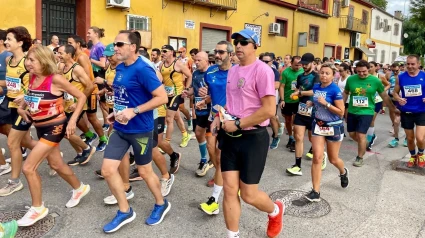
(378, 98)
(304, 110)
(109, 99)
(32, 103)
(294, 85)
(170, 91)
(68, 97)
(13, 84)
(360, 101)
(323, 130)
(224, 115)
(1, 99)
(117, 109)
(198, 99)
(412, 90)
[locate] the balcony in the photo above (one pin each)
(314, 5)
(352, 24)
(225, 5)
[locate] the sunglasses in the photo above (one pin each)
(266, 61)
(243, 42)
(164, 51)
(220, 52)
(179, 52)
(121, 43)
(384, 69)
(395, 71)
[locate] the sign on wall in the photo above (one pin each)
(189, 24)
(346, 53)
(255, 28)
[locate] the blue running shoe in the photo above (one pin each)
(119, 220)
(89, 141)
(275, 143)
(393, 143)
(158, 213)
(105, 127)
(405, 142)
(101, 146)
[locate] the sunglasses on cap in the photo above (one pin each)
(220, 52)
(243, 42)
(121, 43)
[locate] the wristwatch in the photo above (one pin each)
(136, 110)
(238, 124)
(328, 105)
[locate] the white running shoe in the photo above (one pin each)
(77, 195)
(111, 200)
(166, 185)
(5, 169)
(32, 216)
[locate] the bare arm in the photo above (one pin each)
(267, 110)
(159, 98)
(385, 82)
(345, 95)
(184, 70)
(84, 61)
(84, 79)
(101, 62)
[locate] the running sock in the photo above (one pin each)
(127, 187)
(232, 234)
(174, 155)
(310, 150)
(396, 138)
(420, 151)
(369, 133)
(15, 181)
(275, 212)
(298, 161)
(80, 188)
(80, 153)
(184, 133)
(291, 138)
(103, 138)
(413, 152)
(203, 149)
(88, 148)
(39, 209)
(216, 192)
(89, 134)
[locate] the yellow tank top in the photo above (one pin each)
(109, 76)
(91, 75)
(162, 110)
(173, 80)
(68, 98)
(17, 80)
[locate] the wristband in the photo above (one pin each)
(217, 114)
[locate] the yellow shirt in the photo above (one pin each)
(173, 80)
(91, 75)
(162, 110)
(68, 98)
(109, 76)
(17, 80)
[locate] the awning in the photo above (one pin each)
(366, 51)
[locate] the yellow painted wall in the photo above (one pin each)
(18, 13)
(170, 21)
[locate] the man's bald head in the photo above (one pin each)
(201, 61)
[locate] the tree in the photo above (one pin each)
(417, 10)
(380, 3)
(415, 42)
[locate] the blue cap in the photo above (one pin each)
(247, 33)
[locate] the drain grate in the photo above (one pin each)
(297, 205)
(37, 230)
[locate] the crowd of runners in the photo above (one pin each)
(234, 93)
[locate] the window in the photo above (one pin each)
(382, 56)
(283, 27)
(377, 22)
(139, 23)
(365, 17)
(337, 8)
(396, 29)
(313, 34)
(393, 56)
(375, 52)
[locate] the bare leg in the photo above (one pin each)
(115, 183)
(152, 181)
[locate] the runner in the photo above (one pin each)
(137, 92)
(188, 62)
(288, 105)
(216, 80)
(5, 123)
(328, 128)
(75, 75)
(370, 135)
(193, 52)
(392, 77)
(202, 111)
(44, 101)
(408, 91)
(155, 57)
(304, 116)
(362, 88)
(172, 71)
(277, 128)
(54, 42)
(344, 72)
(245, 140)
(286, 63)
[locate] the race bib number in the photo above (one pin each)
(33, 103)
(198, 99)
(323, 130)
(304, 110)
(360, 101)
(412, 90)
(109, 99)
(294, 85)
(170, 91)
(224, 115)
(68, 97)
(13, 84)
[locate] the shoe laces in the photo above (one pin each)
(412, 159)
(201, 165)
(156, 211)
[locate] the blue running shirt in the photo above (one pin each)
(330, 93)
(216, 80)
(412, 89)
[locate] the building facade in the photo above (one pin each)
(331, 28)
(386, 33)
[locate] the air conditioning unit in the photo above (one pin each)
(118, 3)
(274, 28)
(345, 3)
(355, 39)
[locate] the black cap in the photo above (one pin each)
(307, 58)
(168, 47)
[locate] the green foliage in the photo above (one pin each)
(417, 10)
(380, 3)
(415, 42)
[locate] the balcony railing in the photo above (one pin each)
(315, 5)
(352, 24)
(221, 4)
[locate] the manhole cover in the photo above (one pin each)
(297, 205)
(39, 229)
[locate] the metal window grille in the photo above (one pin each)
(58, 18)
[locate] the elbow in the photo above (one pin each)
(164, 99)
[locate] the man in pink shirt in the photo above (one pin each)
(250, 94)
